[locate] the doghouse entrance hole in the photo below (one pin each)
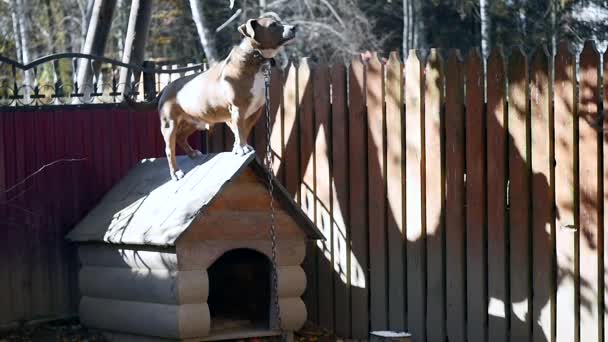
(239, 291)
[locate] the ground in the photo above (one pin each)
(72, 331)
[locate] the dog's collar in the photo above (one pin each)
(258, 56)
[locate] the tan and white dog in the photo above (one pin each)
(231, 91)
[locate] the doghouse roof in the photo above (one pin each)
(147, 208)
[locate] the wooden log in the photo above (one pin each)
(144, 285)
(114, 256)
(150, 319)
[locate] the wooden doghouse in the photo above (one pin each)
(192, 259)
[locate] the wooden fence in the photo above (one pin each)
(448, 213)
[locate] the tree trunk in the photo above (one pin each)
(205, 36)
(135, 40)
(407, 23)
(485, 29)
(15, 20)
(417, 24)
(95, 42)
(24, 44)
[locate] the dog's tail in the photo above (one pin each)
(143, 106)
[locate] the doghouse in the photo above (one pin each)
(192, 259)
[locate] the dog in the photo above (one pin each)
(231, 91)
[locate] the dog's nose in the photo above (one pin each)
(294, 28)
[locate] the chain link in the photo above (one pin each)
(270, 170)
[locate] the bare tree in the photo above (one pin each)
(206, 38)
(97, 34)
(327, 30)
(135, 40)
(485, 29)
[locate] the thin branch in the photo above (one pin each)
(40, 170)
(231, 19)
(333, 11)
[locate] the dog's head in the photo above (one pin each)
(267, 34)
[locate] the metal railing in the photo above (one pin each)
(52, 80)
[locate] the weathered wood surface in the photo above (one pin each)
(361, 152)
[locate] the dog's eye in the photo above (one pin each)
(273, 25)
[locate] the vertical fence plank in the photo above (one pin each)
(604, 295)
(276, 137)
(519, 168)
(475, 199)
(496, 138)
(5, 301)
(434, 179)
(358, 206)
(23, 230)
(416, 263)
(589, 195)
(542, 212)
(395, 178)
(322, 155)
(291, 133)
(564, 193)
(340, 200)
(376, 189)
(455, 197)
(307, 184)
(14, 223)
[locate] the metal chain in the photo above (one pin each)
(270, 171)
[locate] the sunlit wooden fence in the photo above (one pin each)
(456, 206)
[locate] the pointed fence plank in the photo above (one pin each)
(307, 184)
(322, 174)
(340, 200)
(434, 180)
(475, 199)
(604, 251)
(519, 215)
(496, 154)
(291, 133)
(359, 279)
(542, 192)
(415, 246)
(376, 188)
(565, 233)
(455, 197)
(590, 196)
(395, 178)
(276, 138)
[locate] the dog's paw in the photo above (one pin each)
(177, 175)
(241, 150)
(195, 154)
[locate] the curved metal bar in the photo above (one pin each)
(102, 59)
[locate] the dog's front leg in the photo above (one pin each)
(240, 133)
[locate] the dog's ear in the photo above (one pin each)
(248, 29)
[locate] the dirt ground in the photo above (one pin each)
(72, 331)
